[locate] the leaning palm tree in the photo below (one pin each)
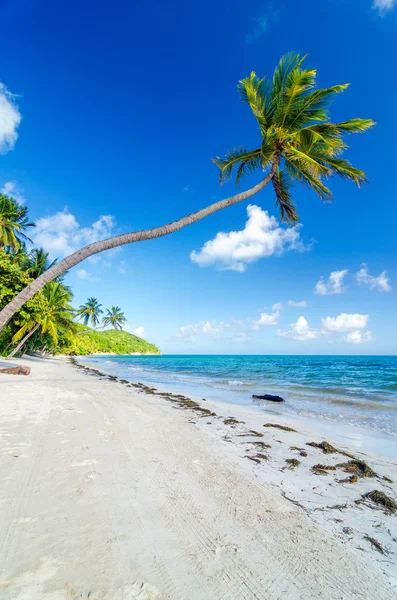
(297, 143)
(13, 223)
(114, 317)
(54, 316)
(89, 311)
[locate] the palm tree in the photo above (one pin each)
(13, 223)
(38, 262)
(54, 316)
(114, 317)
(89, 311)
(297, 143)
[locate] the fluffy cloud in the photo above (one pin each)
(383, 5)
(83, 274)
(10, 188)
(344, 322)
(381, 282)
(333, 285)
(188, 332)
(261, 237)
(280, 305)
(357, 337)
(300, 331)
(10, 118)
(139, 331)
(268, 319)
(61, 234)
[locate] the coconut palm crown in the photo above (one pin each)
(296, 134)
(90, 311)
(114, 317)
(13, 223)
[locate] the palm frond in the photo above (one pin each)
(255, 92)
(313, 107)
(317, 167)
(284, 201)
(287, 63)
(297, 170)
(236, 157)
(341, 167)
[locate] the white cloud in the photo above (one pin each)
(261, 237)
(357, 337)
(344, 322)
(202, 328)
(268, 319)
(10, 118)
(139, 331)
(381, 282)
(280, 305)
(300, 331)
(61, 234)
(83, 274)
(333, 285)
(11, 188)
(186, 188)
(383, 5)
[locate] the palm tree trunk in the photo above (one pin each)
(126, 238)
(21, 343)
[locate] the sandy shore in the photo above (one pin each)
(109, 493)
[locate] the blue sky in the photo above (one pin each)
(123, 106)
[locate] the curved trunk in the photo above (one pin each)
(119, 240)
(23, 340)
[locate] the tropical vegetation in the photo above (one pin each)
(90, 311)
(47, 322)
(297, 143)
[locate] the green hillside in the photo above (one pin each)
(112, 341)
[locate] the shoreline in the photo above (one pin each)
(121, 491)
(370, 440)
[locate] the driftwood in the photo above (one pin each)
(14, 370)
(269, 397)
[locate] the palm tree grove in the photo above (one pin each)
(47, 322)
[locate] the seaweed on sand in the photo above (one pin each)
(328, 448)
(320, 467)
(381, 500)
(358, 469)
(232, 421)
(292, 462)
(377, 545)
(277, 426)
(301, 451)
(262, 445)
(251, 433)
(258, 457)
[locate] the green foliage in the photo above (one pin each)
(111, 341)
(13, 223)
(13, 279)
(296, 135)
(114, 317)
(55, 313)
(90, 311)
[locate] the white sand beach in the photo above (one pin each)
(109, 493)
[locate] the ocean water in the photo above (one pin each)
(355, 390)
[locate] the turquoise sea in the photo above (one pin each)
(356, 390)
